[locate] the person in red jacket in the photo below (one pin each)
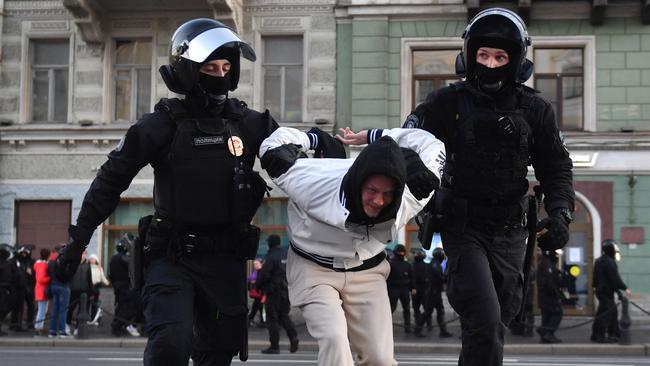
(42, 281)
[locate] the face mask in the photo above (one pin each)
(491, 80)
(215, 85)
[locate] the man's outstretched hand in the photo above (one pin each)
(352, 138)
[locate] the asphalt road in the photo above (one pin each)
(84, 356)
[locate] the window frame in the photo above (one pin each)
(283, 68)
(133, 74)
(29, 35)
(588, 46)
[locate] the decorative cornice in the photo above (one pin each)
(289, 6)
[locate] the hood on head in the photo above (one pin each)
(380, 157)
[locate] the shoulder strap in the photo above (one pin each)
(174, 107)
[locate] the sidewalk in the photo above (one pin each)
(576, 340)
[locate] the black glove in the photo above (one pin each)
(68, 260)
(420, 180)
(557, 232)
(328, 146)
(278, 160)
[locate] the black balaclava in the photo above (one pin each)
(217, 87)
(494, 81)
(380, 157)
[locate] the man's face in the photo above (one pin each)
(219, 67)
(492, 57)
(377, 192)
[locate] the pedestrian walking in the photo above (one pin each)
(606, 282)
(342, 214)
(60, 290)
(421, 277)
(255, 293)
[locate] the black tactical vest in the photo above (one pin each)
(489, 164)
(203, 156)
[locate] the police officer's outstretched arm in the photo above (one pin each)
(553, 168)
(137, 148)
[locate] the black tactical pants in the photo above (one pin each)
(277, 314)
(484, 287)
(196, 307)
(419, 304)
(403, 294)
(606, 320)
(433, 302)
(551, 318)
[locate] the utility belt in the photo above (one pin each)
(328, 262)
(159, 237)
(452, 213)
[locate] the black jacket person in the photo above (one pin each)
(606, 282)
(401, 284)
(493, 127)
(202, 149)
(272, 279)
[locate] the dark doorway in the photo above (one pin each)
(42, 223)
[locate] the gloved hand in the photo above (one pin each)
(278, 160)
(68, 260)
(420, 180)
(557, 232)
(328, 146)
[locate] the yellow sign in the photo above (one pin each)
(574, 271)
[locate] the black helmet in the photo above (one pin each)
(125, 243)
(195, 42)
(496, 28)
(610, 248)
(6, 251)
(399, 249)
(438, 254)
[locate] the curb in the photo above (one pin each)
(400, 347)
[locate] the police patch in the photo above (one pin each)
(412, 121)
(236, 146)
(208, 140)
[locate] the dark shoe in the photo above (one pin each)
(419, 334)
(549, 339)
(445, 334)
(600, 339)
(293, 345)
(612, 339)
(271, 350)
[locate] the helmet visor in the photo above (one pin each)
(201, 46)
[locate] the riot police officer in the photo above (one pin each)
(549, 283)
(607, 281)
(421, 277)
(493, 127)
(202, 149)
(7, 277)
(401, 284)
(433, 296)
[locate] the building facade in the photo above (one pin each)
(76, 74)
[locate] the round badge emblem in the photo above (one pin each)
(236, 146)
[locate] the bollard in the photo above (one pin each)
(82, 317)
(625, 322)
